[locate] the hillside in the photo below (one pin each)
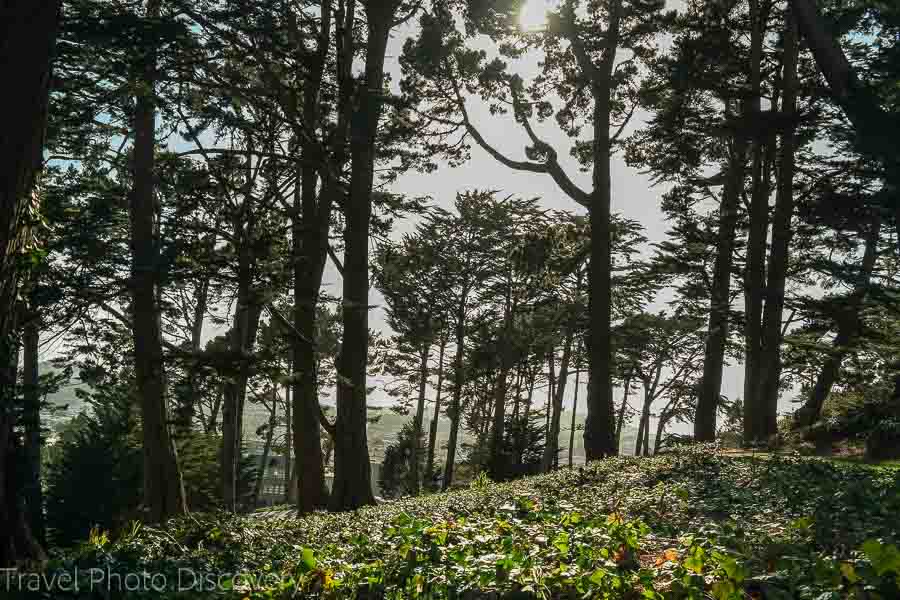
(688, 525)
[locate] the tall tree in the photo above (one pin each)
(27, 32)
(771, 335)
(352, 476)
(163, 489)
(579, 45)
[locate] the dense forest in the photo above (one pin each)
(211, 247)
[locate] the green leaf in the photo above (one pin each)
(308, 559)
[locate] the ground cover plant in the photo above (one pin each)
(691, 524)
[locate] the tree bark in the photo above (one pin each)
(769, 374)
(499, 461)
(289, 492)
(520, 443)
(243, 338)
(551, 389)
(660, 429)
(213, 423)
(621, 418)
(352, 474)
(432, 433)
(876, 128)
(267, 447)
(720, 303)
(163, 489)
(644, 427)
(187, 409)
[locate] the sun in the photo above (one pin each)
(533, 15)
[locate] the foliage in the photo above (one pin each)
(94, 474)
(396, 469)
(690, 524)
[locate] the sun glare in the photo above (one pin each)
(534, 13)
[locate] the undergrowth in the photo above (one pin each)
(692, 524)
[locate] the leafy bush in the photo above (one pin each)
(689, 524)
(95, 473)
(94, 477)
(522, 449)
(396, 468)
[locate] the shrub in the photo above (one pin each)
(95, 472)
(94, 478)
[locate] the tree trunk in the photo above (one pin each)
(187, 409)
(243, 338)
(644, 425)
(770, 368)
(31, 419)
(520, 443)
(267, 448)
(352, 474)
(289, 492)
(876, 128)
(212, 425)
(621, 418)
(647, 436)
(310, 227)
(551, 445)
(640, 436)
(575, 408)
(754, 277)
(551, 390)
(660, 429)
(163, 489)
(414, 475)
(849, 325)
(433, 430)
(499, 461)
(599, 427)
(720, 302)
(27, 43)
(454, 410)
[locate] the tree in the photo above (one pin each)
(28, 31)
(662, 351)
(580, 66)
(163, 488)
(409, 279)
(352, 486)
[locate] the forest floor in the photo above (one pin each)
(691, 524)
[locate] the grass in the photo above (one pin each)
(693, 524)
